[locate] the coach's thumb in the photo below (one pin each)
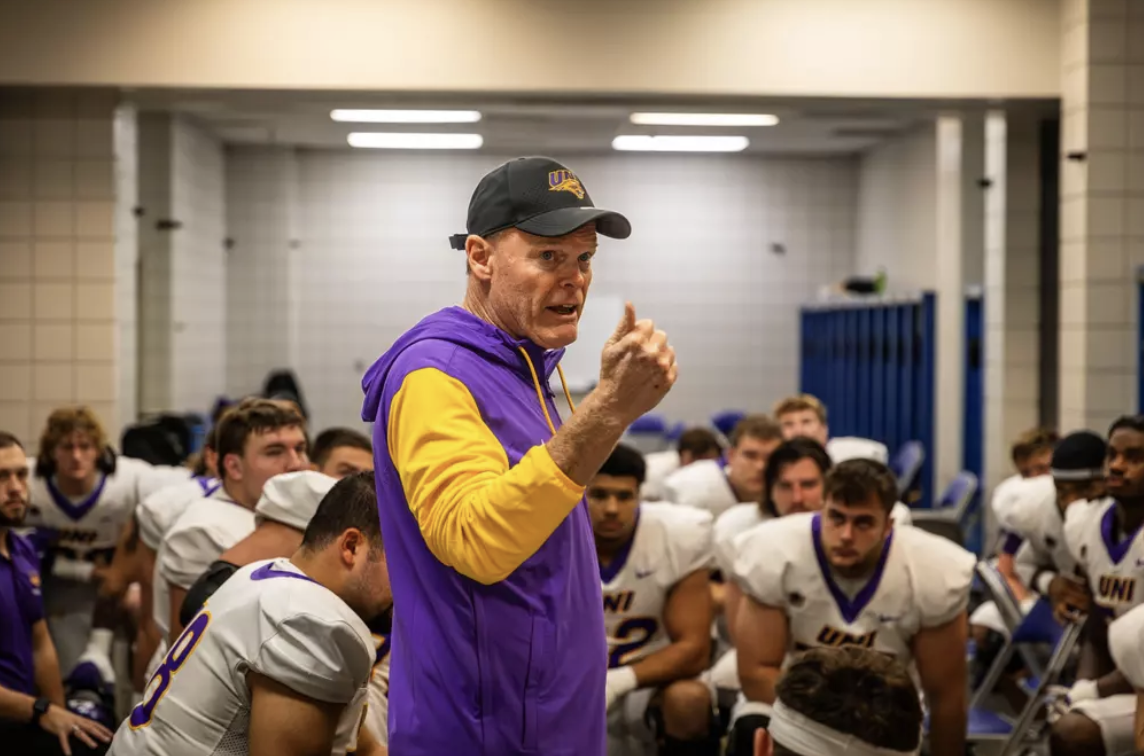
(627, 322)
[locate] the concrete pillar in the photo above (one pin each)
(1012, 286)
(1102, 212)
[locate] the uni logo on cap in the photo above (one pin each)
(565, 181)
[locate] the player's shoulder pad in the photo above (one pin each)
(1028, 506)
(902, 516)
(730, 525)
(941, 573)
(844, 448)
(189, 545)
(1081, 518)
(1124, 642)
(695, 483)
(317, 645)
(1005, 493)
(766, 553)
(686, 534)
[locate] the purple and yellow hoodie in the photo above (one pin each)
(498, 633)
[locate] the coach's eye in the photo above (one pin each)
(548, 255)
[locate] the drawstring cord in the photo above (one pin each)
(540, 392)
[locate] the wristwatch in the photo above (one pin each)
(39, 708)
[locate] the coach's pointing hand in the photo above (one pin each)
(637, 367)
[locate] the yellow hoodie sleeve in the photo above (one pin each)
(477, 514)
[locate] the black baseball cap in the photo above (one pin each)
(1079, 456)
(539, 196)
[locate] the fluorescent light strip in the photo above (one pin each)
(704, 119)
(394, 141)
(639, 143)
(406, 116)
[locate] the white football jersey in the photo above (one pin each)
(728, 527)
(703, 485)
(269, 618)
(1115, 569)
(377, 715)
(660, 465)
(87, 526)
(163, 508)
(670, 543)
(1012, 490)
(921, 581)
(842, 448)
(207, 528)
(1036, 519)
(161, 476)
(1126, 642)
(742, 517)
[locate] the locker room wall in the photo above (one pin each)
(372, 259)
(897, 210)
(182, 355)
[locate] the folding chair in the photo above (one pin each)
(647, 434)
(951, 508)
(1038, 628)
(726, 421)
(1008, 607)
(906, 463)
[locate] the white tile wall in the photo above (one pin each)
(897, 210)
(198, 268)
(373, 258)
(59, 281)
(261, 192)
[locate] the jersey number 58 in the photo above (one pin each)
(159, 683)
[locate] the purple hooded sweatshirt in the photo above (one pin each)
(480, 668)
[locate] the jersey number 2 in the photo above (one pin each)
(157, 687)
(634, 634)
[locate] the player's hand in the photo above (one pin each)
(1070, 599)
(620, 682)
(65, 725)
(637, 366)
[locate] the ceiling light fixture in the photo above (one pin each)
(406, 116)
(704, 119)
(394, 141)
(640, 143)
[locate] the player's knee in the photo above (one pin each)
(686, 709)
(1074, 734)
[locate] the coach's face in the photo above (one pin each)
(537, 285)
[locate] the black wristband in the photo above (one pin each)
(39, 708)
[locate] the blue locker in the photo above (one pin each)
(973, 426)
(862, 403)
(905, 399)
(849, 395)
(894, 437)
(874, 366)
(926, 377)
(878, 375)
